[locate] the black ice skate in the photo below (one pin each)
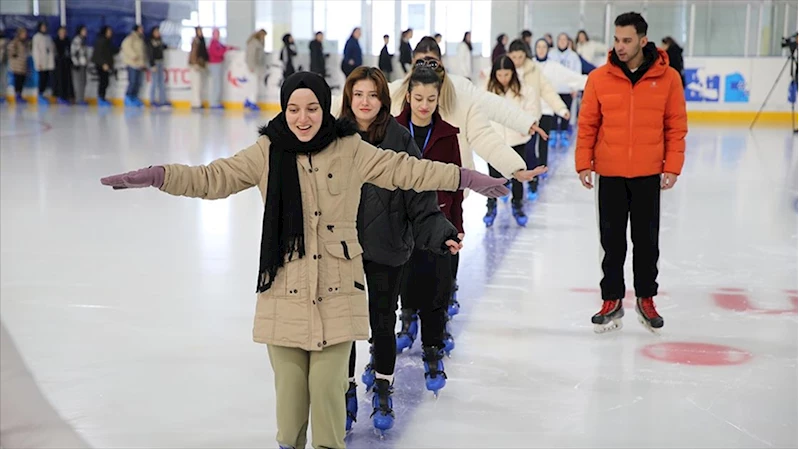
(609, 318)
(648, 315)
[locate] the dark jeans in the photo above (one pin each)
(636, 199)
(134, 82)
(383, 285)
(427, 287)
(517, 187)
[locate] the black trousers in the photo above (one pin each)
(44, 80)
(516, 187)
(561, 123)
(103, 82)
(383, 284)
(63, 81)
(636, 199)
(19, 83)
(456, 259)
(427, 287)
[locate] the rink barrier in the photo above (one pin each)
(717, 89)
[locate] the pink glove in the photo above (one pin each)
(145, 177)
(483, 184)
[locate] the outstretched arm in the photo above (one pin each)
(219, 179)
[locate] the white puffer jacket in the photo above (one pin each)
(532, 74)
(472, 112)
(553, 72)
(43, 52)
(527, 100)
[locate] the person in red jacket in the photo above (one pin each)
(428, 280)
(632, 134)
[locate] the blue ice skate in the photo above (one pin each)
(352, 405)
(383, 413)
(449, 342)
(410, 328)
(368, 377)
(491, 214)
(435, 377)
(519, 215)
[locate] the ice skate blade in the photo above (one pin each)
(647, 326)
(614, 325)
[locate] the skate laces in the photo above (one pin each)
(609, 306)
(383, 397)
(647, 305)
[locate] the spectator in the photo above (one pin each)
(134, 57)
(216, 60)
(318, 56)
(353, 55)
(43, 59)
(79, 53)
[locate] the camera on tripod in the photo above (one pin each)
(789, 42)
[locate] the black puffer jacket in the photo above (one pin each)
(390, 222)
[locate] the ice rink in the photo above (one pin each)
(134, 308)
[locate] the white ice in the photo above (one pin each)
(134, 309)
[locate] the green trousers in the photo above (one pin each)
(314, 381)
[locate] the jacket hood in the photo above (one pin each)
(656, 60)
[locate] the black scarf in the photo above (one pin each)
(283, 234)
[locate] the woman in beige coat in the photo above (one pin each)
(311, 302)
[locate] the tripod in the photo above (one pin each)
(793, 63)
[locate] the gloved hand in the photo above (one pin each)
(483, 184)
(145, 177)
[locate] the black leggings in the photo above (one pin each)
(44, 81)
(517, 187)
(19, 83)
(561, 123)
(383, 284)
(104, 78)
(427, 287)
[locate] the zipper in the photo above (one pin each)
(632, 108)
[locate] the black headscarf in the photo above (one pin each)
(283, 234)
(535, 52)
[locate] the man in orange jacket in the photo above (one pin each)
(632, 134)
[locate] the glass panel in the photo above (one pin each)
(666, 18)
(383, 14)
(778, 25)
(721, 29)
(593, 21)
(220, 13)
(206, 13)
(302, 20)
(553, 18)
(482, 43)
(341, 17)
(453, 19)
(416, 15)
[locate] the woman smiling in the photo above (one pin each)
(311, 304)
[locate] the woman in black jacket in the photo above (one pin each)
(103, 59)
(391, 224)
(287, 55)
(63, 67)
(675, 56)
(318, 55)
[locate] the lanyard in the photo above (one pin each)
(426, 139)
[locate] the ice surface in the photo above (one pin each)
(134, 308)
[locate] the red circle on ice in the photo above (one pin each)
(699, 354)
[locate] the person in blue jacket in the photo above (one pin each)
(353, 55)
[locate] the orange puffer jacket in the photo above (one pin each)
(632, 130)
